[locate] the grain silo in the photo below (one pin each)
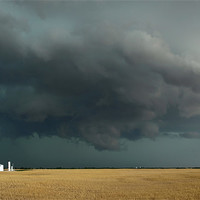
(1, 168)
(9, 164)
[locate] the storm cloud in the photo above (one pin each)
(93, 80)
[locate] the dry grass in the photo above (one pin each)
(109, 184)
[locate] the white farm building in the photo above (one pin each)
(1, 168)
(10, 167)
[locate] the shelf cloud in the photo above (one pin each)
(91, 79)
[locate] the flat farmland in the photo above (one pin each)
(108, 184)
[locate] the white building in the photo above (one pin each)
(10, 167)
(9, 164)
(1, 168)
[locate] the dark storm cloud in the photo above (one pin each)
(92, 81)
(10, 41)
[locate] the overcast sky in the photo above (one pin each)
(103, 83)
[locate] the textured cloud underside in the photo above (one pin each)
(96, 82)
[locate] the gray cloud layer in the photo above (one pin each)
(97, 81)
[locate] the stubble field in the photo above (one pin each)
(107, 184)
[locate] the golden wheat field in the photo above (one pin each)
(111, 184)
